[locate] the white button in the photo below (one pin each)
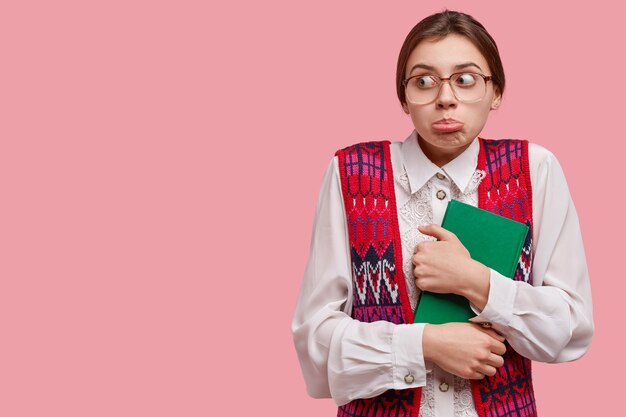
(443, 387)
(440, 176)
(441, 194)
(408, 378)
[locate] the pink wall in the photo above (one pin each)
(159, 167)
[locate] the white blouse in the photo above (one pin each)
(548, 321)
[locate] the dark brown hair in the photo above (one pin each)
(439, 25)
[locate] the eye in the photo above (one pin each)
(466, 79)
(425, 81)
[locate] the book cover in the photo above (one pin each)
(493, 240)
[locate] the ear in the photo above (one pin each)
(497, 100)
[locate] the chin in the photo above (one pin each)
(454, 139)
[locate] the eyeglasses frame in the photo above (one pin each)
(441, 81)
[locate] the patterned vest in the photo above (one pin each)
(367, 183)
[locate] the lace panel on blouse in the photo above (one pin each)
(418, 211)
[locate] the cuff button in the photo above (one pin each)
(408, 378)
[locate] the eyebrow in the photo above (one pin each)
(456, 67)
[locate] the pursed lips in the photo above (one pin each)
(447, 125)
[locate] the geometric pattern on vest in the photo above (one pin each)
(376, 254)
(378, 281)
(506, 190)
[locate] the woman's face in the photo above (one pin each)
(454, 53)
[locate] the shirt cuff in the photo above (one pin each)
(499, 308)
(409, 369)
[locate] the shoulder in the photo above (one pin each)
(542, 160)
(362, 152)
(543, 164)
(546, 172)
(539, 154)
(536, 152)
(365, 146)
(369, 153)
(394, 148)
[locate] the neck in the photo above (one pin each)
(439, 156)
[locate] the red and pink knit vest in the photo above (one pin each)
(379, 284)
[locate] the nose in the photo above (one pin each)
(446, 98)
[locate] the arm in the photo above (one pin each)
(551, 320)
(340, 357)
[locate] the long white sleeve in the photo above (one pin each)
(551, 320)
(340, 357)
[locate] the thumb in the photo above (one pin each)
(437, 232)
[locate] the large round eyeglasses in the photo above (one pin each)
(468, 87)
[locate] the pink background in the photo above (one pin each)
(159, 168)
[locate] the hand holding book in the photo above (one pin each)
(491, 240)
(434, 271)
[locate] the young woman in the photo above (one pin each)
(377, 243)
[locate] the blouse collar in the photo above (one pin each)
(420, 169)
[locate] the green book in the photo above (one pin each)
(493, 240)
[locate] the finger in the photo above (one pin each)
(498, 348)
(495, 360)
(437, 231)
(422, 284)
(418, 258)
(477, 375)
(421, 271)
(417, 274)
(421, 246)
(493, 334)
(487, 370)
(490, 332)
